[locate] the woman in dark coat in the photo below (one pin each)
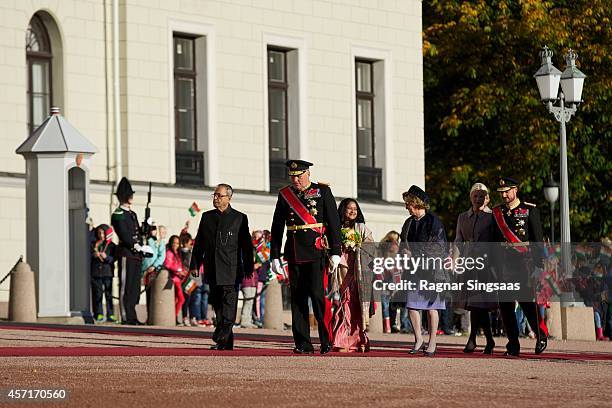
(423, 233)
(477, 225)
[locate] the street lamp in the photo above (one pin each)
(551, 193)
(572, 80)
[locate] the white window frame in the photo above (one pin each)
(385, 56)
(298, 44)
(211, 160)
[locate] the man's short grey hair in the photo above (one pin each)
(228, 189)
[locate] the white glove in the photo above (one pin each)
(334, 261)
(137, 247)
(276, 267)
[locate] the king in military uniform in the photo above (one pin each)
(309, 212)
(520, 231)
(129, 256)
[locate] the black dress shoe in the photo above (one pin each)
(489, 348)
(430, 353)
(300, 350)
(541, 345)
(222, 347)
(415, 349)
(326, 349)
(470, 346)
(511, 353)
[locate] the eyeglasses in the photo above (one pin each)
(217, 195)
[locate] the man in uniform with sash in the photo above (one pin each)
(520, 231)
(313, 231)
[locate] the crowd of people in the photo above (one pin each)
(322, 267)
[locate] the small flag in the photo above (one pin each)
(189, 285)
(108, 234)
(262, 252)
(552, 282)
(285, 271)
(605, 254)
(582, 251)
(194, 209)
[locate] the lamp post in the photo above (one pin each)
(551, 193)
(572, 80)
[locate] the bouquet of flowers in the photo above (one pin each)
(350, 238)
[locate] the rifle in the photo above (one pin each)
(146, 227)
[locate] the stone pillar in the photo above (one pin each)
(273, 314)
(162, 300)
(376, 324)
(22, 295)
(578, 323)
(554, 320)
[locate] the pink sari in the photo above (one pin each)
(348, 323)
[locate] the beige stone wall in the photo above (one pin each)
(329, 32)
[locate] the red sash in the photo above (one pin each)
(300, 209)
(506, 231)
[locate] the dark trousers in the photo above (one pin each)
(129, 288)
(102, 287)
(224, 300)
(509, 316)
(306, 280)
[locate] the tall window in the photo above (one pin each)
(369, 177)
(39, 58)
(185, 93)
(189, 161)
(365, 114)
(278, 86)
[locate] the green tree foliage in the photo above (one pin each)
(483, 117)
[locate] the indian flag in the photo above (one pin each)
(189, 286)
(552, 282)
(262, 252)
(582, 251)
(194, 209)
(605, 254)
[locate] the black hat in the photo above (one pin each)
(418, 193)
(297, 167)
(124, 190)
(506, 183)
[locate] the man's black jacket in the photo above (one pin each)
(223, 245)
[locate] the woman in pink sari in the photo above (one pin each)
(352, 314)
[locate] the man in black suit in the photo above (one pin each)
(223, 246)
(313, 231)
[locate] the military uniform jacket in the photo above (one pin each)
(524, 222)
(125, 223)
(223, 245)
(300, 244)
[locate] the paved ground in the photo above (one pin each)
(121, 367)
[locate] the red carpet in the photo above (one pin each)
(380, 348)
(264, 352)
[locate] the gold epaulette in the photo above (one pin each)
(323, 183)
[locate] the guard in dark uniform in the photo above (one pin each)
(129, 256)
(313, 231)
(520, 231)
